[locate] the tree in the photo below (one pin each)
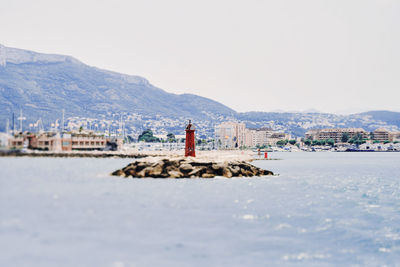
(171, 138)
(130, 139)
(307, 142)
(147, 136)
(330, 142)
(345, 137)
(358, 136)
(357, 139)
(315, 143)
(351, 141)
(282, 142)
(292, 142)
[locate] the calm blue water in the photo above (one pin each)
(325, 209)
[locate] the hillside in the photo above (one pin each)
(42, 85)
(299, 123)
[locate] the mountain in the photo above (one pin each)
(42, 85)
(390, 117)
(298, 123)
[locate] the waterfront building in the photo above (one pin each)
(335, 133)
(263, 137)
(16, 142)
(230, 135)
(79, 141)
(312, 134)
(394, 136)
(4, 139)
(381, 134)
(44, 141)
(277, 136)
(258, 137)
(54, 142)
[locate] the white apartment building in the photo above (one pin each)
(4, 139)
(394, 137)
(259, 137)
(230, 135)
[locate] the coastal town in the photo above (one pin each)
(228, 135)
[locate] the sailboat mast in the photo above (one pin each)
(62, 121)
(20, 120)
(13, 123)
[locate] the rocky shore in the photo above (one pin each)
(188, 168)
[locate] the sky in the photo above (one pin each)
(339, 56)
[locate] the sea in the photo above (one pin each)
(320, 209)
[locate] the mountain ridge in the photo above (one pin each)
(56, 81)
(41, 85)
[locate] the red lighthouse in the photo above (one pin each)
(189, 148)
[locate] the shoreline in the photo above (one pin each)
(217, 156)
(70, 155)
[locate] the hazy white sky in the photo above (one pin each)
(253, 55)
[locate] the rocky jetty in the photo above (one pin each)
(188, 168)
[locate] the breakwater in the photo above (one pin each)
(188, 168)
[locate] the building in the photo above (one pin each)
(54, 142)
(45, 141)
(4, 139)
(230, 135)
(17, 141)
(335, 133)
(79, 141)
(384, 135)
(264, 137)
(394, 137)
(257, 137)
(381, 134)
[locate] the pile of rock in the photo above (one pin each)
(189, 168)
